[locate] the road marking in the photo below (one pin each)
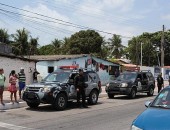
(14, 127)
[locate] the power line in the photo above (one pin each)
(29, 25)
(64, 22)
(108, 14)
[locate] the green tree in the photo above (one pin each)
(85, 42)
(46, 50)
(116, 46)
(20, 45)
(65, 46)
(150, 44)
(33, 46)
(4, 36)
(57, 46)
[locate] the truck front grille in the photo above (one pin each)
(34, 89)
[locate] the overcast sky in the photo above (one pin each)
(127, 18)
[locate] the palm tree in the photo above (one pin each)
(33, 45)
(57, 45)
(116, 46)
(21, 45)
(65, 46)
(4, 36)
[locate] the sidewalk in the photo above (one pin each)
(8, 104)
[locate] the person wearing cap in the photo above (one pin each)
(79, 83)
(2, 81)
(22, 79)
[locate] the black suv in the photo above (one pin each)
(58, 88)
(129, 83)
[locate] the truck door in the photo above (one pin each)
(144, 81)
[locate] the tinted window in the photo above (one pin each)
(150, 76)
(127, 76)
(144, 76)
(57, 77)
(162, 100)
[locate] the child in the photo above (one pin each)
(2, 81)
(12, 87)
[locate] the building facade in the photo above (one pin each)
(48, 64)
(11, 62)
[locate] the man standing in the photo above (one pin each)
(80, 87)
(35, 76)
(160, 82)
(2, 81)
(22, 79)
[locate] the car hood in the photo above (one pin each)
(120, 81)
(153, 119)
(43, 84)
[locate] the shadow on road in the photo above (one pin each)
(49, 108)
(125, 97)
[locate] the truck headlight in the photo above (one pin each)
(123, 85)
(46, 89)
(133, 127)
(26, 89)
(107, 86)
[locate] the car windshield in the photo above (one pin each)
(57, 77)
(162, 100)
(127, 76)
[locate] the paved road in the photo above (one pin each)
(108, 114)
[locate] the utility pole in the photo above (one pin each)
(141, 54)
(162, 47)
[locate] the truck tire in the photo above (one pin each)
(111, 96)
(33, 105)
(151, 91)
(60, 102)
(93, 97)
(132, 94)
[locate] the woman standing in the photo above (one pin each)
(12, 87)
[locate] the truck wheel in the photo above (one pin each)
(33, 105)
(93, 97)
(151, 91)
(132, 94)
(110, 95)
(60, 102)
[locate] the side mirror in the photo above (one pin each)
(147, 104)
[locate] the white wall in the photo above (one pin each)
(42, 66)
(9, 64)
(147, 68)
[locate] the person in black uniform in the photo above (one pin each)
(160, 82)
(79, 83)
(35, 75)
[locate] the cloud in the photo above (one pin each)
(165, 17)
(41, 27)
(44, 10)
(121, 5)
